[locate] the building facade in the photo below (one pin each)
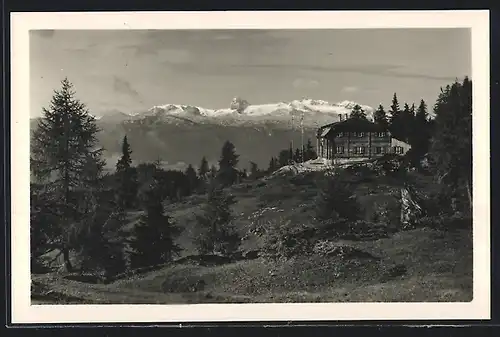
(357, 138)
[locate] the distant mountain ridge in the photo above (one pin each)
(179, 133)
(313, 113)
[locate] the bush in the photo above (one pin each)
(336, 200)
(282, 240)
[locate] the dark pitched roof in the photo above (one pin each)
(350, 125)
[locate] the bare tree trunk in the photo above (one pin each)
(67, 262)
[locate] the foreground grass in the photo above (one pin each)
(420, 265)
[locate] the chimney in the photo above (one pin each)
(346, 116)
(340, 117)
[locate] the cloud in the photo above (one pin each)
(305, 83)
(369, 69)
(349, 89)
(124, 87)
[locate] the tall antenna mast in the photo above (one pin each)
(291, 141)
(302, 135)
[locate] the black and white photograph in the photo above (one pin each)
(253, 165)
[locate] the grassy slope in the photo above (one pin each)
(438, 265)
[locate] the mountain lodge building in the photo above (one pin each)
(357, 138)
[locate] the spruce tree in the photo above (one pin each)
(127, 178)
(358, 112)
(153, 238)
(215, 232)
(228, 173)
(380, 117)
(422, 134)
(273, 165)
(407, 126)
(203, 170)
(451, 148)
(395, 121)
(64, 154)
(309, 152)
(192, 179)
(297, 156)
(254, 170)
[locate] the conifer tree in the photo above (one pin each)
(153, 239)
(203, 170)
(297, 156)
(395, 121)
(228, 174)
(380, 117)
(451, 149)
(192, 179)
(216, 233)
(127, 178)
(273, 165)
(407, 126)
(358, 112)
(64, 155)
(254, 170)
(422, 132)
(213, 172)
(309, 152)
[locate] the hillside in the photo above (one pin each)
(371, 261)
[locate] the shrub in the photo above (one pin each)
(282, 240)
(336, 200)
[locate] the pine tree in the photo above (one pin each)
(396, 124)
(64, 154)
(254, 170)
(309, 152)
(380, 117)
(153, 239)
(228, 173)
(216, 233)
(451, 149)
(192, 179)
(358, 112)
(273, 165)
(127, 178)
(297, 156)
(213, 172)
(284, 158)
(203, 170)
(422, 133)
(407, 126)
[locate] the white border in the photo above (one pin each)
(23, 312)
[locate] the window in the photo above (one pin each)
(361, 134)
(378, 150)
(359, 150)
(341, 134)
(339, 149)
(398, 149)
(381, 134)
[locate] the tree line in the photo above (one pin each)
(78, 210)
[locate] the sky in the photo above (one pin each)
(133, 70)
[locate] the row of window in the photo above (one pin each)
(363, 149)
(361, 134)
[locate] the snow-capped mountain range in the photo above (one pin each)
(311, 112)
